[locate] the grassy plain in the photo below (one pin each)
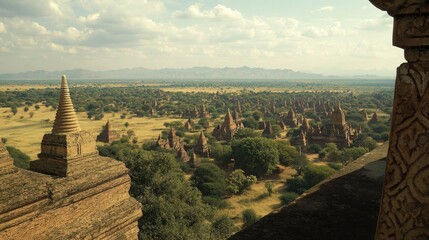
(257, 197)
(26, 133)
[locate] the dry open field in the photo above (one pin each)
(257, 197)
(24, 87)
(165, 87)
(26, 133)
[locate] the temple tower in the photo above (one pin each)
(189, 125)
(67, 145)
(229, 121)
(172, 139)
(227, 130)
(268, 130)
(202, 146)
(374, 118)
(404, 212)
(338, 118)
(108, 135)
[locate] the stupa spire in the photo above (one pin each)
(65, 119)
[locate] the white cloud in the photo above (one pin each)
(315, 32)
(335, 29)
(56, 47)
(379, 24)
(2, 28)
(219, 12)
(150, 33)
(326, 9)
(88, 19)
(26, 27)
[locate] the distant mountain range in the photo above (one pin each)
(173, 73)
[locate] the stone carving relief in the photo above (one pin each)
(405, 205)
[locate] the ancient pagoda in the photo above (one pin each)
(109, 135)
(189, 125)
(374, 118)
(67, 145)
(338, 131)
(202, 147)
(268, 131)
(227, 130)
(203, 111)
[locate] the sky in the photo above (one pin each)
(330, 37)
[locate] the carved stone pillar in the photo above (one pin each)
(404, 212)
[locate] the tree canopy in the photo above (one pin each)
(255, 156)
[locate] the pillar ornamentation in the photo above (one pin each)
(404, 211)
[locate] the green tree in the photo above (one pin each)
(299, 163)
(257, 115)
(222, 228)
(250, 123)
(209, 179)
(221, 153)
(288, 197)
(256, 156)
(14, 110)
(370, 143)
(314, 148)
(328, 150)
(245, 133)
(270, 188)
(314, 174)
(238, 182)
(173, 209)
(286, 152)
(296, 184)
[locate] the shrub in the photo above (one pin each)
(288, 197)
(237, 182)
(335, 166)
(286, 152)
(216, 202)
(296, 184)
(314, 148)
(209, 179)
(223, 227)
(249, 217)
(221, 153)
(250, 123)
(314, 174)
(270, 188)
(245, 133)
